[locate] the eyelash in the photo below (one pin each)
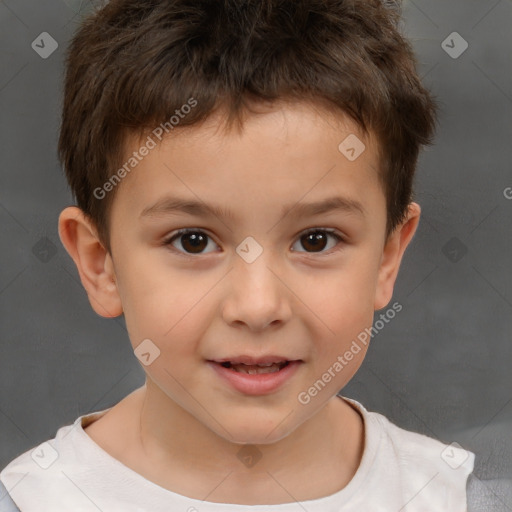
(168, 241)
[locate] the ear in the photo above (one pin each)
(394, 249)
(94, 263)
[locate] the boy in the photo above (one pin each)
(243, 173)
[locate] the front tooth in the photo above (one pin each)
(260, 364)
(252, 370)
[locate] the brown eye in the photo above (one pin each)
(316, 240)
(192, 241)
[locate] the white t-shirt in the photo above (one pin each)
(399, 471)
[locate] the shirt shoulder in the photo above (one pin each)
(421, 473)
(36, 477)
(6, 503)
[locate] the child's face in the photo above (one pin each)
(214, 296)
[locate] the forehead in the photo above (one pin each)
(280, 155)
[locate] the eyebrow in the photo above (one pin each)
(172, 205)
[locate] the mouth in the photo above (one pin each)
(255, 365)
(253, 369)
(256, 376)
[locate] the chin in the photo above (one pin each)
(255, 433)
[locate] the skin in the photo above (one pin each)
(183, 429)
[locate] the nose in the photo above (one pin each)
(256, 295)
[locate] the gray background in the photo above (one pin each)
(441, 367)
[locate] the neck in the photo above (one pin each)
(177, 443)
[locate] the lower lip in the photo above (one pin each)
(259, 383)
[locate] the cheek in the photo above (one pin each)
(162, 306)
(344, 312)
(344, 300)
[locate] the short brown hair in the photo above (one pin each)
(133, 63)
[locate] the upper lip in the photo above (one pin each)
(249, 360)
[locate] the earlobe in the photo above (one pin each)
(392, 256)
(93, 262)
